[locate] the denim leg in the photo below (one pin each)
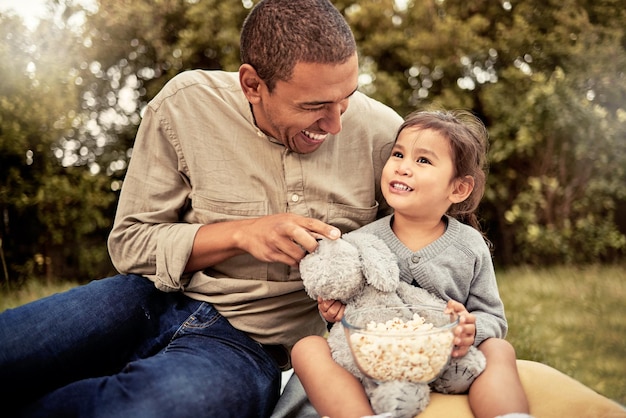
(206, 369)
(70, 336)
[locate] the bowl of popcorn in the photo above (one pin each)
(408, 343)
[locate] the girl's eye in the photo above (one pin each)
(423, 160)
(397, 154)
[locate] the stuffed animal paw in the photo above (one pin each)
(460, 373)
(400, 399)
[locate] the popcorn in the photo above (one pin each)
(406, 353)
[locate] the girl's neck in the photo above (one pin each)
(417, 234)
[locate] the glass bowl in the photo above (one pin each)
(410, 343)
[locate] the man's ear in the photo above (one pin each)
(251, 83)
(462, 189)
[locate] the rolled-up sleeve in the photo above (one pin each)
(148, 236)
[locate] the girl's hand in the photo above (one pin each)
(465, 332)
(331, 310)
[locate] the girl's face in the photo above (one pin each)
(418, 180)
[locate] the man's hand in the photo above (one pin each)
(284, 238)
(465, 332)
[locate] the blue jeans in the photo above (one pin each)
(118, 347)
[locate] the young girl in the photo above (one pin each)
(434, 180)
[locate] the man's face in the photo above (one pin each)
(301, 112)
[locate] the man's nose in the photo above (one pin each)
(331, 122)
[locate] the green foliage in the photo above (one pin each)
(546, 77)
(564, 166)
(50, 210)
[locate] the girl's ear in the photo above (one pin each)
(462, 189)
(251, 83)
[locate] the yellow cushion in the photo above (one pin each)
(551, 394)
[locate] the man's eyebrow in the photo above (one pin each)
(328, 101)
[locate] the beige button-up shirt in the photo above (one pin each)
(199, 158)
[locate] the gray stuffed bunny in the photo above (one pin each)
(361, 271)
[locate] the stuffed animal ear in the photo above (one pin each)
(333, 271)
(379, 264)
(418, 295)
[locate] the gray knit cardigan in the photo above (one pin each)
(457, 266)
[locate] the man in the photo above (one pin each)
(233, 177)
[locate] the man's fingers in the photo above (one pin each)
(319, 229)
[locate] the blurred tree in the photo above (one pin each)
(108, 67)
(51, 211)
(134, 47)
(547, 78)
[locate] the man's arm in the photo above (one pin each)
(283, 238)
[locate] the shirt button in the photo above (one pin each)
(415, 258)
(295, 197)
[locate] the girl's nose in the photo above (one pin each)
(403, 169)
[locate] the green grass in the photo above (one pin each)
(570, 318)
(573, 319)
(11, 297)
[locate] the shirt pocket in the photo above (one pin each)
(206, 211)
(348, 218)
(209, 211)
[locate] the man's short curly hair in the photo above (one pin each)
(277, 34)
